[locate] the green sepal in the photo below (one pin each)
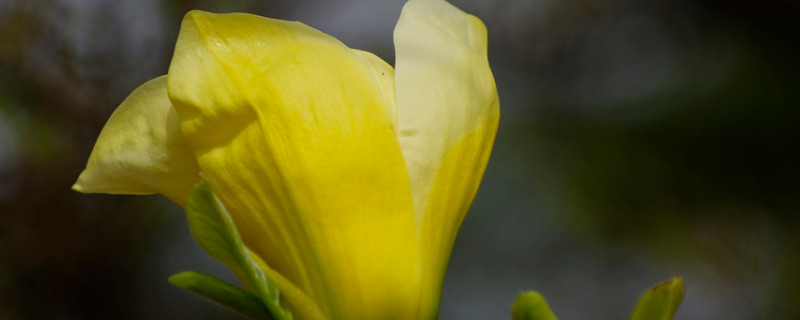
(660, 302)
(531, 306)
(213, 228)
(243, 302)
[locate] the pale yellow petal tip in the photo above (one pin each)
(192, 14)
(195, 17)
(78, 188)
(80, 183)
(88, 182)
(201, 17)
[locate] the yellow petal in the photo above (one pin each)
(292, 130)
(448, 112)
(384, 74)
(141, 150)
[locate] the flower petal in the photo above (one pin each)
(291, 129)
(384, 73)
(448, 112)
(141, 150)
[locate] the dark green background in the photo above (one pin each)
(638, 139)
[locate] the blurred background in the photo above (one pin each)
(638, 139)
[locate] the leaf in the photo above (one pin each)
(213, 228)
(223, 293)
(661, 301)
(531, 306)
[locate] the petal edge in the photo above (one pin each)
(141, 150)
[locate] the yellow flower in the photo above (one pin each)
(347, 177)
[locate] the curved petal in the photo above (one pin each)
(141, 150)
(384, 73)
(291, 128)
(448, 113)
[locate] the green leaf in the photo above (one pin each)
(531, 306)
(214, 230)
(223, 293)
(661, 301)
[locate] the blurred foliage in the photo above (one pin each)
(660, 302)
(531, 306)
(221, 292)
(704, 168)
(657, 303)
